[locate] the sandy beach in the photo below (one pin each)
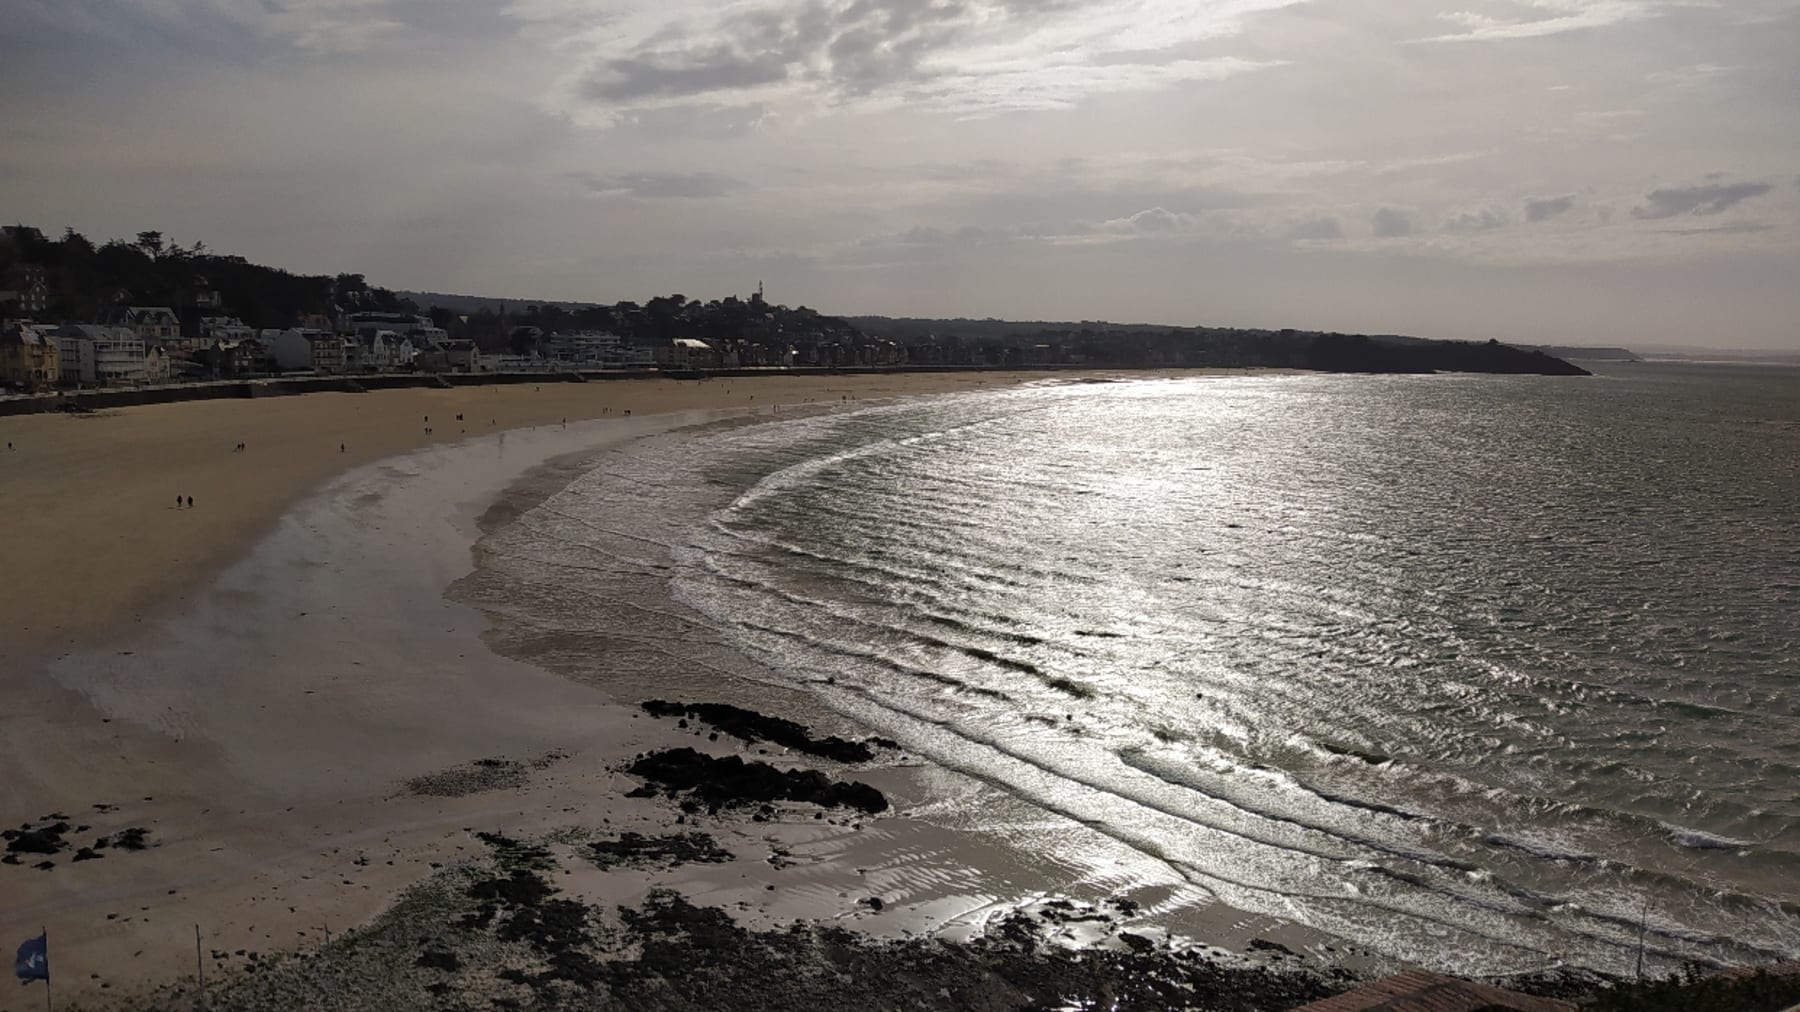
(301, 723)
(95, 539)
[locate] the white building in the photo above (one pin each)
(685, 353)
(582, 347)
(107, 356)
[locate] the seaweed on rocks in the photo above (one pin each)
(729, 781)
(515, 855)
(669, 851)
(540, 950)
(47, 840)
(751, 727)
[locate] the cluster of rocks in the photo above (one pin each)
(500, 935)
(669, 851)
(752, 727)
(48, 836)
(716, 782)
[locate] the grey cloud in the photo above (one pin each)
(1700, 200)
(1739, 228)
(1484, 220)
(855, 49)
(664, 184)
(656, 75)
(1545, 208)
(965, 55)
(705, 119)
(1390, 223)
(1317, 228)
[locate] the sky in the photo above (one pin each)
(1555, 171)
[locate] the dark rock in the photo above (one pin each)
(727, 781)
(752, 727)
(664, 851)
(1137, 942)
(439, 959)
(36, 841)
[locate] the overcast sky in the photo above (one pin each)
(1592, 171)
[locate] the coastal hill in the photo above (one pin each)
(1153, 345)
(71, 280)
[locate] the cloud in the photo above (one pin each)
(662, 184)
(1545, 208)
(700, 119)
(1317, 228)
(1152, 221)
(717, 68)
(1711, 198)
(1561, 16)
(1741, 228)
(971, 57)
(1484, 220)
(1390, 223)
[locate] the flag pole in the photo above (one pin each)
(199, 968)
(48, 1005)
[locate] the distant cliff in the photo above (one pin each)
(1578, 352)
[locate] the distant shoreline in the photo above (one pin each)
(278, 386)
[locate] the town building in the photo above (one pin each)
(225, 328)
(685, 353)
(25, 285)
(590, 349)
(29, 358)
(94, 355)
(233, 359)
(307, 348)
(152, 323)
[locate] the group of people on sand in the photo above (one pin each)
(190, 503)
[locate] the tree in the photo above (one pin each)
(151, 243)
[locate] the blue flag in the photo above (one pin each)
(33, 960)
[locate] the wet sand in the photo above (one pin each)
(321, 727)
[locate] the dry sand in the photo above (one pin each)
(256, 682)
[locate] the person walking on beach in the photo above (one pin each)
(190, 502)
(177, 502)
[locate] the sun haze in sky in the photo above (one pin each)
(1580, 171)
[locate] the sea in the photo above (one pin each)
(1488, 673)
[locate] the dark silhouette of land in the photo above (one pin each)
(74, 281)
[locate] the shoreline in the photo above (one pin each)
(273, 768)
(95, 548)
